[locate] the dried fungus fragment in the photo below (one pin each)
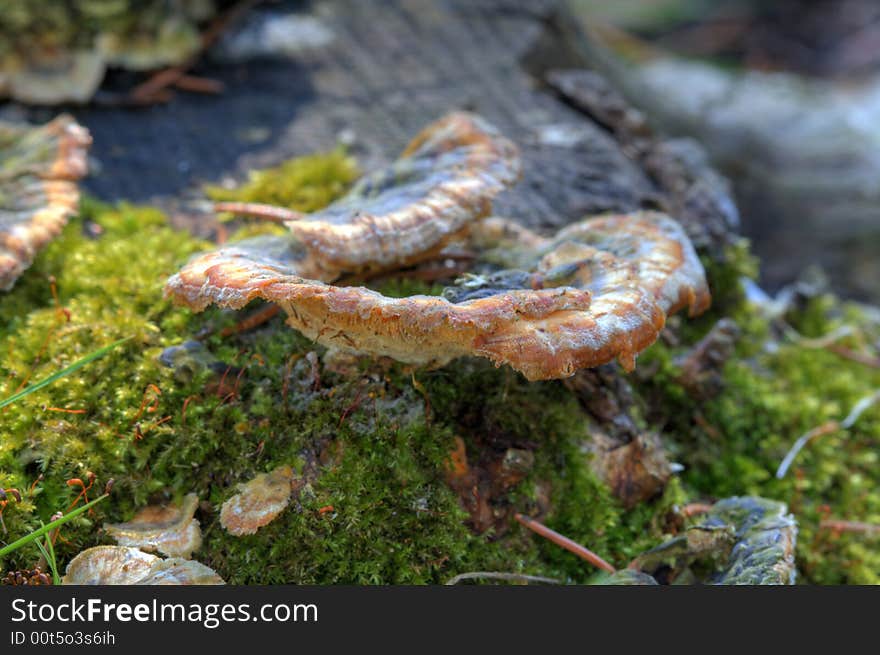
(179, 571)
(169, 529)
(39, 169)
(766, 537)
(702, 369)
(109, 565)
(123, 565)
(635, 471)
(258, 502)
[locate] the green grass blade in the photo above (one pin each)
(60, 374)
(49, 556)
(36, 534)
(53, 563)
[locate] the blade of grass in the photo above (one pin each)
(49, 556)
(39, 532)
(100, 352)
(50, 545)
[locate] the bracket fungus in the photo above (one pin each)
(123, 565)
(751, 539)
(169, 529)
(444, 180)
(599, 289)
(39, 168)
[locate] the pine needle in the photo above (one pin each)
(60, 374)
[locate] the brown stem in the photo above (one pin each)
(564, 542)
(838, 525)
(252, 321)
(196, 84)
(258, 210)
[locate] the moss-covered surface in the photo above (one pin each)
(305, 183)
(776, 389)
(376, 437)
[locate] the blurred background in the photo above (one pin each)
(785, 96)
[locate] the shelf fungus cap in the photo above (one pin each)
(169, 529)
(444, 180)
(39, 170)
(598, 290)
(766, 537)
(123, 565)
(638, 269)
(258, 502)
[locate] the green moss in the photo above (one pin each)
(109, 287)
(304, 183)
(123, 416)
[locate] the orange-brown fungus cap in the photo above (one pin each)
(600, 289)
(638, 268)
(258, 502)
(121, 565)
(39, 169)
(444, 181)
(168, 529)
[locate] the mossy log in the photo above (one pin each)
(408, 475)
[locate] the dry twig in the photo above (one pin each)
(572, 546)
(828, 427)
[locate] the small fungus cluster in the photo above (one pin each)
(169, 529)
(598, 290)
(123, 565)
(58, 52)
